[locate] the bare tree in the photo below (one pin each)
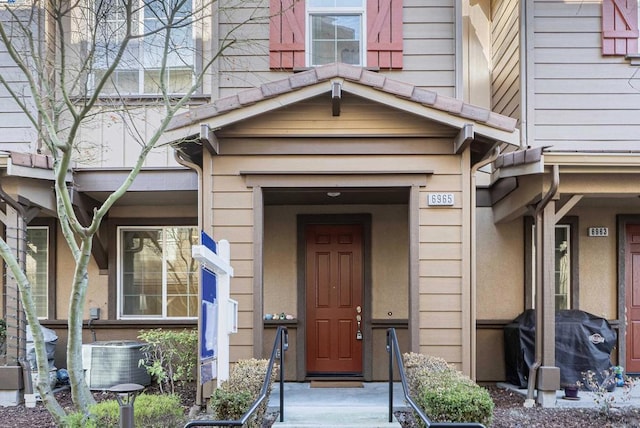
(80, 60)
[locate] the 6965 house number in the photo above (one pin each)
(440, 199)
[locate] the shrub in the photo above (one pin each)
(157, 411)
(170, 356)
(236, 395)
(445, 394)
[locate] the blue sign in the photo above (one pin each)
(209, 319)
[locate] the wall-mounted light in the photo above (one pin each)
(333, 194)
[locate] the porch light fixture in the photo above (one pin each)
(333, 194)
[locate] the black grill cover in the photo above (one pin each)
(583, 342)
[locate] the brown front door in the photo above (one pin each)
(632, 286)
(334, 277)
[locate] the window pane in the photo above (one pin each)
(37, 267)
(336, 3)
(563, 268)
(182, 285)
(159, 276)
(142, 272)
(143, 58)
(335, 38)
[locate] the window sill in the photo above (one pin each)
(634, 59)
(137, 100)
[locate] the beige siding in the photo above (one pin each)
(429, 46)
(505, 85)
(583, 100)
(109, 141)
(441, 266)
(18, 134)
(441, 300)
(313, 117)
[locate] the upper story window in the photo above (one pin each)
(307, 33)
(139, 70)
(157, 276)
(335, 31)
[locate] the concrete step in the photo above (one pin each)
(336, 416)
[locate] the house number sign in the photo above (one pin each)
(440, 199)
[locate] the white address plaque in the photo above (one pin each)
(440, 199)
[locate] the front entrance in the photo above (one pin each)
(632, 286)
(334, 296)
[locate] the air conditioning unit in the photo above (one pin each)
(110, 363)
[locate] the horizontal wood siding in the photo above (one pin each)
(583, 100)
(428, 46)
(358, 117)
(108, 143)
(440, 297)
(441, 266)
(505, 34)
(18, 134)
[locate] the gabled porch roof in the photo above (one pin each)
(520, 178)
(473, 123)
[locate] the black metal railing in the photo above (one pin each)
(280, 345)
(394, 349)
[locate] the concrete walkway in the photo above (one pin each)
(336, 407)
(306, 407)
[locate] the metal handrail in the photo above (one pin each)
(280, 345)
(394, 349)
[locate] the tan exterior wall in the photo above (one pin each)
(597, 111)
(500, 268)
(389, 258)
(429, 47)
(441, 309)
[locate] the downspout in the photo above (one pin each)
(473, 251)
(182, 160)
(529, 402)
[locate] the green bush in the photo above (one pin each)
(236, 395)
(445, 394)
(157, 411)
(170, 356)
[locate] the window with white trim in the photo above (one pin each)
(565, 256)
(139, 70)
(158, 278)
(336, 31)
(37, 267)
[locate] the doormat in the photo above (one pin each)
(336, 384)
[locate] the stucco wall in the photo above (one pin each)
(500, 267)
(389, 256)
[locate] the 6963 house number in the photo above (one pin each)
(440, 199)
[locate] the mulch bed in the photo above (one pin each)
(509, 412)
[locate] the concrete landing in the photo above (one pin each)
(306, 407)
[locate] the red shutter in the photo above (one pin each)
(619, 27)
(384, 33)
(286, 34)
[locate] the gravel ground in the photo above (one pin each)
(509, 412)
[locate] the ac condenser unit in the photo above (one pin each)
(110, 363)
